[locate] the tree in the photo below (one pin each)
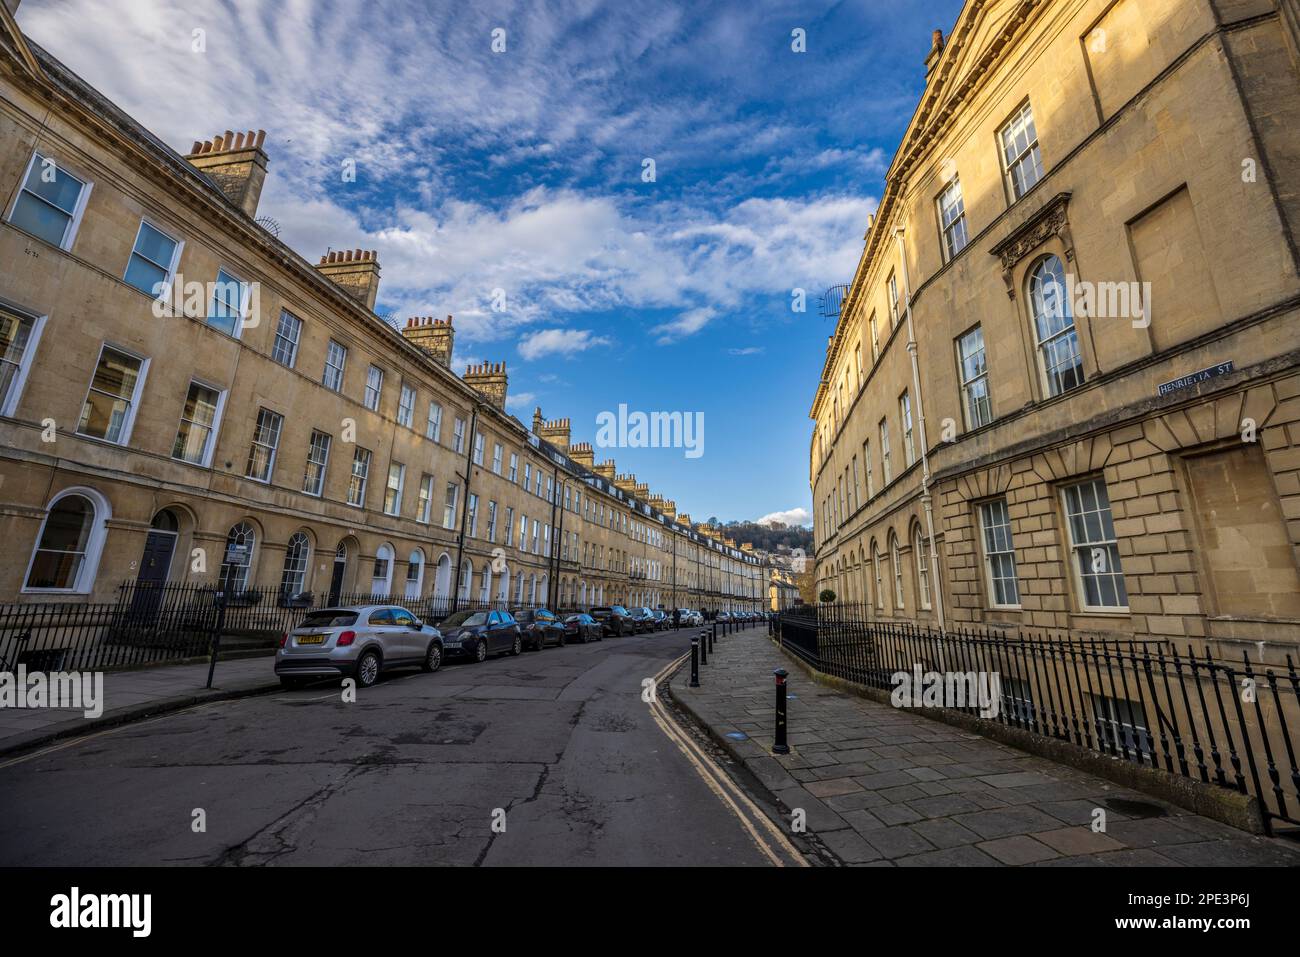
(827, 595)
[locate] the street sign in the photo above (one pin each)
(1183, 382)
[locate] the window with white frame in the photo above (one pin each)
(886, 468)
(318, 456)
(153, 260)
(19, 336)
(875, 338)
(921, 547)
(905, 417)
(952, 219)
(458, 436)
(194, 437)
(497, 452)
(1021, 158)
(297, 555)
(1093, 545)
(374, 387)
(68, 546)
(109, 410)
(974, 375)
(393, 488)
(359, 476)
(896, 566)
(895, 308)
(528, 474)
(471, 518)
(877, 564)
(336, 357)
(523, 532)
(999, 554)
(1121, 725)
(450, 501)
(491, 522)
(229, 304)
(478, 448)
(266, 439)
(1060, 361)
(50, 202)
(237, 562)
(433, 425)
(424, 507)
(288, 332)
(510, 526)
(514, 467)
(406, 406)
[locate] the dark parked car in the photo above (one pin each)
(662, 619)
(583, 628)
(540, 628)
(358, 642)
(477, 634)
(642, 619)
(614, 619)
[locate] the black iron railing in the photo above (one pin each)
(1232, 724)
(152, 624)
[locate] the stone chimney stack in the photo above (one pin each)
(489, 380)
(685, 519)
(626, 482)
(433, 336)
(642, 492)
(355, 271)
(555, 431)
(606, 470)
(583, 454)
(936, 51)
(236, 162)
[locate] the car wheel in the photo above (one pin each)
(480, 651)
(518, 646)
(433, 658)
(367, 669)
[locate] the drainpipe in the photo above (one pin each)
(926, 502)
(464, 511)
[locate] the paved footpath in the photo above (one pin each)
(883, 786)
(138, 693)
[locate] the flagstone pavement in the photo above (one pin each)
(882, 786)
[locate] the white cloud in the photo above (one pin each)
(521, 401)
(546, 342)
(747, 351)
(687, 324)
(791, 516)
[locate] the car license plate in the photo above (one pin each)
(311, 639)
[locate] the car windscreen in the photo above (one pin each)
(619, 609)
(329, 619)
(524, 616)
(464, 618)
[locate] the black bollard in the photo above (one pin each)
(695, 663)
(780, 747)
(706, 638)
(704, 652)
(715, 630)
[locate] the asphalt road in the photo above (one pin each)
(558, 743)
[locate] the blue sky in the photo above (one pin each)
(522, 170)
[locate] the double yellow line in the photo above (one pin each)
(764, 832)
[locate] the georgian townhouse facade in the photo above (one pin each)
(185, 399)
(1063, 392)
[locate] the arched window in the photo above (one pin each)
(503, 585)
(532, 589)
(877, 560)
(415, 574)
(519, 589)
(485, 583)
(920, 547)
(238, 560)
(381, 579)
(1058, 342)
(297, 556)
(442, 580)
(896, 566)
(67, 549)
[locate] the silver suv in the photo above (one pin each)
(357, 642)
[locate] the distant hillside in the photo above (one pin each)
(771, 538)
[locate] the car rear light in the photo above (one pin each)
(346, 639)
(284, 639)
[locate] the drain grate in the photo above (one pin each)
(1138, 809)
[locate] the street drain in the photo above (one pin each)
(1136, 809)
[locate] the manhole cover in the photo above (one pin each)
(1138, 809)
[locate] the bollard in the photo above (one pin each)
(715, 630)
(695, 663)
(780, 747)
(706, 638)
(704, 652)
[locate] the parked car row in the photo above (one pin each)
(361, 641)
